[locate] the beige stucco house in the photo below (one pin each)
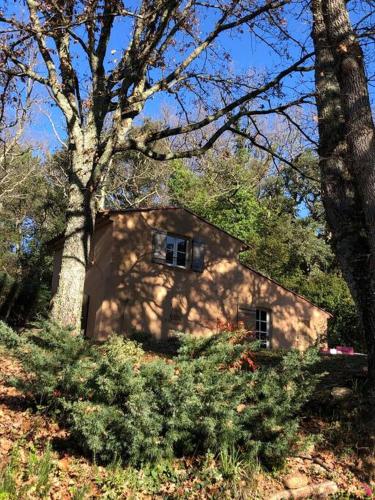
(160, 270)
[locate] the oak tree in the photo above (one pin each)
(347, 156)
(101, 63)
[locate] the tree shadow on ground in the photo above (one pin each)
(340, 416)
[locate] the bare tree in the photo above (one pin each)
(347, 156)
(15, 106)
(172, 50)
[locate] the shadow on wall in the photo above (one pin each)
(143, 296)
(151, 297)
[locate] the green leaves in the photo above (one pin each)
(120, 405)
(8, 337)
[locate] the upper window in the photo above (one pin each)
(176, 251)
(262, 327)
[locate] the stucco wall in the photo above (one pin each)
(128, 292)
(295, 322)
(99, 282)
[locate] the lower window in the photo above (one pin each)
(262, 327)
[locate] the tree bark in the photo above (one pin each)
(80, 220)
(346, 161)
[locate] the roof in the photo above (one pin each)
(149, 209)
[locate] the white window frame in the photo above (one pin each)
(177, 239)
(263, 336)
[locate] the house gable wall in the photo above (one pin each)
(140, 295)
(295, 322)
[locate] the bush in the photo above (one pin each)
(120, 406)
(8, 337)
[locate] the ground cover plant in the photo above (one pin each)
(119, 406)
(37, 449)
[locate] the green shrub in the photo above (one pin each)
(120, 406)
(8, 337)
(51, 355)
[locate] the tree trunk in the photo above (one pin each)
(360, 134)
(10, 299)
(348, 213)
(80, 218)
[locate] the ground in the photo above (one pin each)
(39, 461)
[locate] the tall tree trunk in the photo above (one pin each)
(80, 218)
(349, 201)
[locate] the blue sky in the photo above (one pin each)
(248, 53)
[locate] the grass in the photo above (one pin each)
(31, 473)
(27, 473)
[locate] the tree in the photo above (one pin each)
(171, 50)
(135, 180)
(15, 165)
(347, 156)
(31, 212)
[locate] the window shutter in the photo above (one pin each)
(198, 252)
(158, 246)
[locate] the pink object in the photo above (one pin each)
(368, 490)
(344, 349)
(347, 351)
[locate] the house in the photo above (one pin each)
(160, 270)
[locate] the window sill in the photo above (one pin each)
(172, 266)
(180, 268)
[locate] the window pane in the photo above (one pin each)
(169, 256)
(181, 259)
(262, 327)
(176, 249)
(170, 242)
(181, 245)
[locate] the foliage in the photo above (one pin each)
(8, 337)
(121, 407)
(25, 297)
(330, 291)
(229, 201)
(29, 216)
